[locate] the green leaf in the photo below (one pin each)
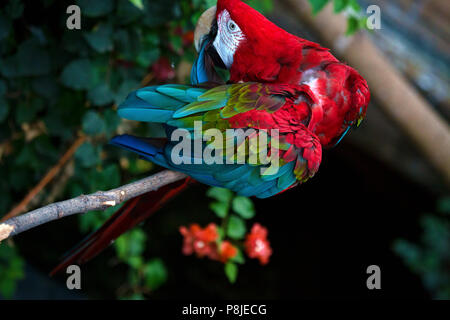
(138, 4)
(112, 120)
(29, 51)
(101, 95)
(239, 257)
(318, 5)
(220, 194)
(91, 8)
(93, 124)
(231, 271)
(148, 57)
(236, 227)
(263, 6)
(352, 26)
(46, 87)
(127, 12)
(12, 270)
(24, 112)
(155, 273)
(100, 39)
(340, 5)
(244, 207)
(444, 205)
(130, 246)
(87, 155)
(220, 208)
(78, 74)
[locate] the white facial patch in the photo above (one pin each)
(228, 38)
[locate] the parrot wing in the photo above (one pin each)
(181, 107)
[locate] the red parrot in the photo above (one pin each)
(277, 81)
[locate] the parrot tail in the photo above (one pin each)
(133, 212)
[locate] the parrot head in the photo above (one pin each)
(242, 40)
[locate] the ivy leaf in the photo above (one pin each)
(46, 87)
(12, 266)
(100, 39)
(231, 271)
(87, 155)
(148, 57)
(127, 12)
(220, 208)
(93, 124)
(244, 207)
(340, 5)
(130, 244)
(220, 194)
(239, 257)
(100, 95)
(94, 9)
(444, 205)
(112, 121)
(155, 273)
(78, 74)
(138, 4)
(31, 51)
(236, 227)
(352, 26)
(317, 5)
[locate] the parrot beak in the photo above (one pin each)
(203, 27)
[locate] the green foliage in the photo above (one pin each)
(236, 227)
(356, 19)
(56, 83)
(430, 259)
(11, 270)
(231, 271)
(244, 207)
(234, 211)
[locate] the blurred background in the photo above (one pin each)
(381, 197)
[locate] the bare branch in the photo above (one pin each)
(100, 200)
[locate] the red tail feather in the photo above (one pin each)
(133, 212)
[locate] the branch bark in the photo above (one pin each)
(100, 200)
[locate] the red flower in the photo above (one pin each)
(256, 244)
(227, 251)
(198, 240)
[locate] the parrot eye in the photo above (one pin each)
(231, 26)
(229, 37)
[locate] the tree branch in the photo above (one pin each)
(100, 200)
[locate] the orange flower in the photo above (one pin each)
(198, 240)
(227, 251)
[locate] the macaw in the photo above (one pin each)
(277, 81)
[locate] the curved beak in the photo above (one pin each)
(204, 26)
